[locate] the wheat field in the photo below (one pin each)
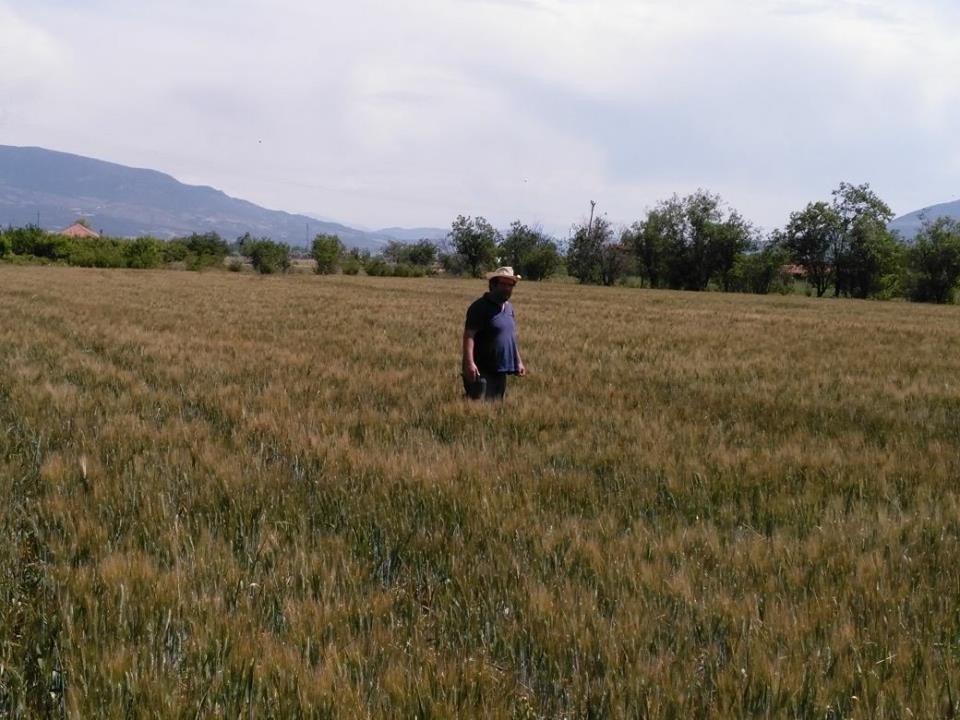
(231, 496)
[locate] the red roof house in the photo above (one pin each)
(79, 230)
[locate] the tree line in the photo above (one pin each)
(198, 251)
(841, 246)
(33, 244)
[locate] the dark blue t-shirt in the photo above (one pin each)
(495, 342)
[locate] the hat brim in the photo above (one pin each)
(510, 278)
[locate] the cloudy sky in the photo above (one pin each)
(408, 113)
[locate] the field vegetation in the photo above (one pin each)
(230, 495)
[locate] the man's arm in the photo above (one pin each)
(521, 368)
(470, 371)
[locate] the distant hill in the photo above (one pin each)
(414, 234)
(909, 225)
(128, 202)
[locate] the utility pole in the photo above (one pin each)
(593, 204)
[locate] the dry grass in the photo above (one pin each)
(228, 495)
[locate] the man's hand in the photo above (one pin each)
(471, 372)
(521, 369)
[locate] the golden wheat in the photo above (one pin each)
(229, 495)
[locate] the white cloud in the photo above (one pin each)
(28, 57)
(388, 113)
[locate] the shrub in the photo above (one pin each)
(422, 253)
(378, 267)
(375, 267)
(143, 253)
(31, 240)
(97, 252)
(174, 251)
(761, 272)
(207, 245)
(202, 262)
(266, 256)
(453, 263)
(197, 251)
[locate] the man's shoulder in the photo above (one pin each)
(481, 313)
(481, 304)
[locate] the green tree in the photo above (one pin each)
(866, 255)
(585, 251)
(711, 240)
(727, 241)
(394, 251)
(685, 243)
(543, 262)
(933, 262)
(207, 247)
(197, 250)
(476, 242)
(529, 252)
(327, 251)
(594, 256)
(846, 243)
(649, 241)
(811, 237)
(422, 253)
(870, 262)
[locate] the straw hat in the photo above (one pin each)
(503, 272)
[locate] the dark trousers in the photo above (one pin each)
(489, 386)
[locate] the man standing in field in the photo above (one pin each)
(490, 350)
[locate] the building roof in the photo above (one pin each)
(79, 230)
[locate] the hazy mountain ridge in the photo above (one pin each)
(413, 234)
(910, 224)
(56, 188)
(126, 202)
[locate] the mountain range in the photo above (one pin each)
(910, 224)
(53, 189)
